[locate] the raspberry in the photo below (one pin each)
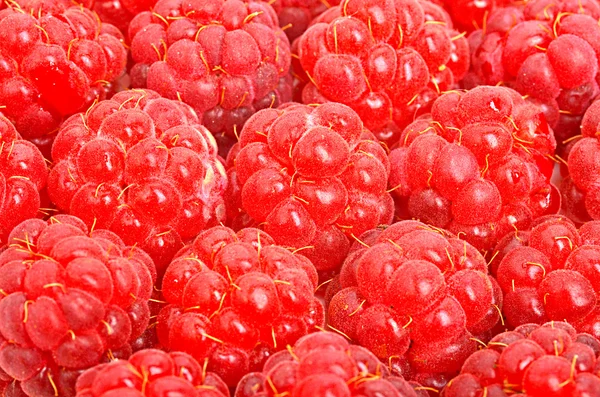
(387, 60)
(541, 361)
(23, 175)
(54, 64)
(471, 14)
(295, 16)
(143, 167)
(151, 373)
(313, 177)
(418, 293)
(477, 165)
(236, 298)
(325, 364)
(70, 298)
(120, 12)
(226, 58)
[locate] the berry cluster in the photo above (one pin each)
(477, 165)
(313, 176)
(226, 59)
(69, 299)
(141, 166)
(471, 14)
(416, 292)
(151, 373)
(120, 12)
(295, 16)
(53, 64)
(387, 60)
(234, 299)
(538, 361)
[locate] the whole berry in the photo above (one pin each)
(70, 297)
(141, 166)
(312, 177)
(295, 16)
(236, 298)
(226, 58)
(151, 373)
(478, 165)
(387, 60)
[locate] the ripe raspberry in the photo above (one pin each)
(234, 299)
(225, 58)
(120, 12)
(70, 298)
(54, 64)
(143, 167)
(477, 165)
(325, 364)
(295, 16)
(23, 175)
(313, 177)
(416, 293)
(151, 373)
(387, 60)
(546, 50)
(541, 361)
(34, 7)
(471, 14)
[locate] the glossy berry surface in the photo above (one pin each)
(70, 298)
(120, 12)
(471, 14)
(143, 167)
(151, 373)
(295, 16)
(477, 165)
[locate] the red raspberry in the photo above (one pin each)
(70, 298)
(387, 60)
(295, 16)
(23, 175)
(547, 50)
(143, 167)
(416, 292)
(234, 299)
(151, 373)
(54, 64)
(225, 58)
(541, 361)
(121, 12)
(34, 7)
(313, 177)
(325, 364)
(477, 165)
(471, 14)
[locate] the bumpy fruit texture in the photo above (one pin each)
(53, 64)
(120, 12)
(70, 298)
(23, 175)
(143, 167)
(312, 177)
(478, 165)
(547, 50)
(225, 58)
(151, 373)
(325, 364)
(34, 7)
(387, 60)
(236, 298)
(471, 14)
(295, 16)
(551, 360)
(417, 294)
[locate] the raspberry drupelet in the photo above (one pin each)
(225, 58)
(479, 165)
(151, 373)
(471, 14)
(387, 60)
(236, 298)
(295, 16)
(53, 63)
(120, 12)
(143, 167)
(70, 297)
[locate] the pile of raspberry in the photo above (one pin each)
(70, 298)
(143, 167)
(325, 364)
(151, 373)
(295, 16)
(471, 14)
(312, 177)
(387, 60)
(120, 12)
(479, 165)
(54, 62)
(538, 361)
(548, 51)
(417, 294)
(227, 59)
(23, 175)
(236, 298)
